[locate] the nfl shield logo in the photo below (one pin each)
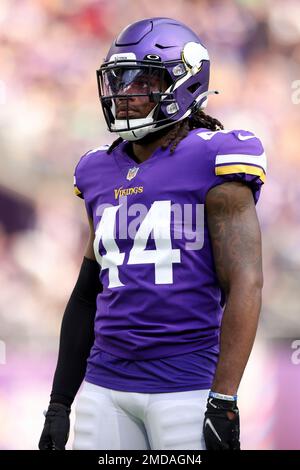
(132, 173)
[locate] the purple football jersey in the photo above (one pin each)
(190, 371)
(161, 297)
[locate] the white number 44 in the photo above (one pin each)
(158, 220)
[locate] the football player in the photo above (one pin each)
(158, 328)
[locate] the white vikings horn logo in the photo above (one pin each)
(132, 173)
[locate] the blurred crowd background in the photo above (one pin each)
(50, 115)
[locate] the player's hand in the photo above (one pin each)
(221, 427)
(56, 428)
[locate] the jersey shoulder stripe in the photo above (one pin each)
(76, 189)
(241, 163)
(256, 160)
(237, 152)
(240, 168)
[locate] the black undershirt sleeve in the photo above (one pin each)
(77, 334)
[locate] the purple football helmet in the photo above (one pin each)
(158, 58)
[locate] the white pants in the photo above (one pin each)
(109, 419)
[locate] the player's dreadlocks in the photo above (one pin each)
(181, 129)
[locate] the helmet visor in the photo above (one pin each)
(131, 80)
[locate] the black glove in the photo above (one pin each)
(56, 428)
(221, 427)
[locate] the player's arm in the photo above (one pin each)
(236, 242)
(76, 340)
(89, 251)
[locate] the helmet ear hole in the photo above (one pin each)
(194, 87)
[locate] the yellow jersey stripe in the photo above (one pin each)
(251, 170)
(77, 191)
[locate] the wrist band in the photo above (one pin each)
(221, 396)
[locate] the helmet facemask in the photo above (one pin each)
(120, 82)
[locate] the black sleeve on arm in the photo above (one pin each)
(77, 334)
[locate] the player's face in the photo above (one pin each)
(136, 85)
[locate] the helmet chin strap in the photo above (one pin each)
(137, 134)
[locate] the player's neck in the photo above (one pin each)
(142, 152)
(144, 148)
